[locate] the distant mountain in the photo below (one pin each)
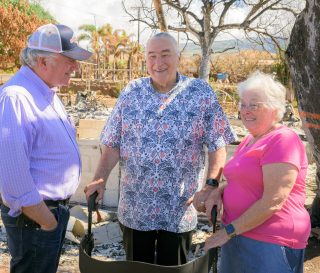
(220, 46)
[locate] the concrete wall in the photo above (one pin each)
(90, 128)
(90, 154)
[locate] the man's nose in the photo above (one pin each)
(159, 61)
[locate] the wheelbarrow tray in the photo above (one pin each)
(88, 264)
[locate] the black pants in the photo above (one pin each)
(156, 246)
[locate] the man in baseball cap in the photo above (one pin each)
(40, 160)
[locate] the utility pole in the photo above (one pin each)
(139, 18)
(94, 18)
(139, 25)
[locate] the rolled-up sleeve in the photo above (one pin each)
(16, 139)
(218, 132)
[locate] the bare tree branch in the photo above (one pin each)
(204, 20)
(224, 12)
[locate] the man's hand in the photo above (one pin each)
(42, 215)
(50, 226)
(95, 186)
(213, 199)
(201, 197)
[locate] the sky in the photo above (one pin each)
(99, 12)
(94, 12)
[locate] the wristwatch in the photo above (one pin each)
(212, 182)
(230, 230)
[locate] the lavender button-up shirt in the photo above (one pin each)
(39, 156)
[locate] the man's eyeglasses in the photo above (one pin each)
(252, 106)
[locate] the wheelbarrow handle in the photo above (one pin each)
(92, 206)
(213, 252)
(214, 218)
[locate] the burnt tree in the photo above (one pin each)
(303, 55)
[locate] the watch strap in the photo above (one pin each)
(230, 230)
(212, 182)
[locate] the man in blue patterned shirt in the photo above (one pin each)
(158, 130)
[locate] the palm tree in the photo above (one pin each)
(106, 42)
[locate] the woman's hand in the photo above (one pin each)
(217, 239)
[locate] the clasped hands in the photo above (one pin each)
(203, 201)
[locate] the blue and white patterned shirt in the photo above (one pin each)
(162, 154)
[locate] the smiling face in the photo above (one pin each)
(162, 60)
(255, 113)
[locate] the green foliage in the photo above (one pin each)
(41, 13)
(18, 19)
(29, 9)
(282, 71)
(121, 64)
(118, 88)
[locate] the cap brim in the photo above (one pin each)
(77, 53)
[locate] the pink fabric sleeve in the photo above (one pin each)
(284, 147)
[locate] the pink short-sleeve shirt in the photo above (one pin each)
(291, 225)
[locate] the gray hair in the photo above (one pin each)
(274, 91)
(29, 56)
(167, 36)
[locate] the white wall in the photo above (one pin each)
(90, 154)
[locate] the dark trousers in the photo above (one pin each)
(156, 246)
(34, 250)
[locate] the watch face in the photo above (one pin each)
(212, 182)
(230, 230)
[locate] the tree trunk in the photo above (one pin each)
(204, 69)
(160, 15)
(206, 40)
(303, 56)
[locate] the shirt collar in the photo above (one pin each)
(178, 81)
(43, 88)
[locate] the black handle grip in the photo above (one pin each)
(213, 252)
(214, 218)
(92, 205)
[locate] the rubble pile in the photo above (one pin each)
(86, 106)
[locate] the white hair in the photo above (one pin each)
(274, 91)
(168, 36)
(29, 56)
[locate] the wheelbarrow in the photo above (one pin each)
(88, 264)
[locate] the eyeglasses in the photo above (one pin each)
(252, 106)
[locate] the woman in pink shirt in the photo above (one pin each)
(266, 226)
